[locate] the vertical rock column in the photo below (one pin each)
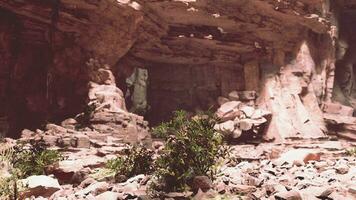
(290, 96)
(107, 110)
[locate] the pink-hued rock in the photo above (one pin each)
(289, 195)
(108, 196)
(291, 98)
(225, 127)
(81, 141)
(201, 182)
(41, 185)
(94, 189)
(247, 95)
(337, 109)
(228, 110)
(234, 96)
(69, 123)
(352, 189)
(298, 156)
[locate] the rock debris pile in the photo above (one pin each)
(301, 170)
(238, 115)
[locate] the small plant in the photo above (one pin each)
(137, 160)
(165, 129)
(8, 188)
(351, 152)
(19, 161)
(84, 118)
(192, 150)
(33, 160)
(8, 181)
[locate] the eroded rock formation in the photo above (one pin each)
(45, 45)
(193, 51)
(273, 70)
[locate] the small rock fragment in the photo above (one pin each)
(234, 96)
(55, 128)
(82, 141)
(108, 195)
(94, 188)
(342, 168)
(289, 195)
(201, 182)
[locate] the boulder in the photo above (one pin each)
(25, 134)
(236, 133)
(40, 185)
(234, 96)
(226, 127)
(298, 156)
(325, 192)
(69, 123)
(342, 168)
(245, 189)
(55, 128)
(69, 171)
(245, 124)
(201, 182)
(247, 95)
(50, 140)
(94, 188)
(87, 182)
(81, 141)
(352, 189)
(228, 110)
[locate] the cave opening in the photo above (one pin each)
(190, 87)
(345, 90)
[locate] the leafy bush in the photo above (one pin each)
(165, 129)
(8, 188)
(20, 161)
(137, 160)
(191, 151)
(84, 118)
(33, 160)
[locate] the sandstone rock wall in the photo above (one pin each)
(194, 51)
(45, 47)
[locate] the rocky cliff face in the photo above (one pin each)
(194, 51)
(45, 45)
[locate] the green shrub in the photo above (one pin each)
(19, 162)
(84, 118)
(137, 160)
(192, 150)
(8, 188)
(33, 160)
(165, 129)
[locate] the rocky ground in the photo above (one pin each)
(293, 169)
(296, 169)
(281, 55)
